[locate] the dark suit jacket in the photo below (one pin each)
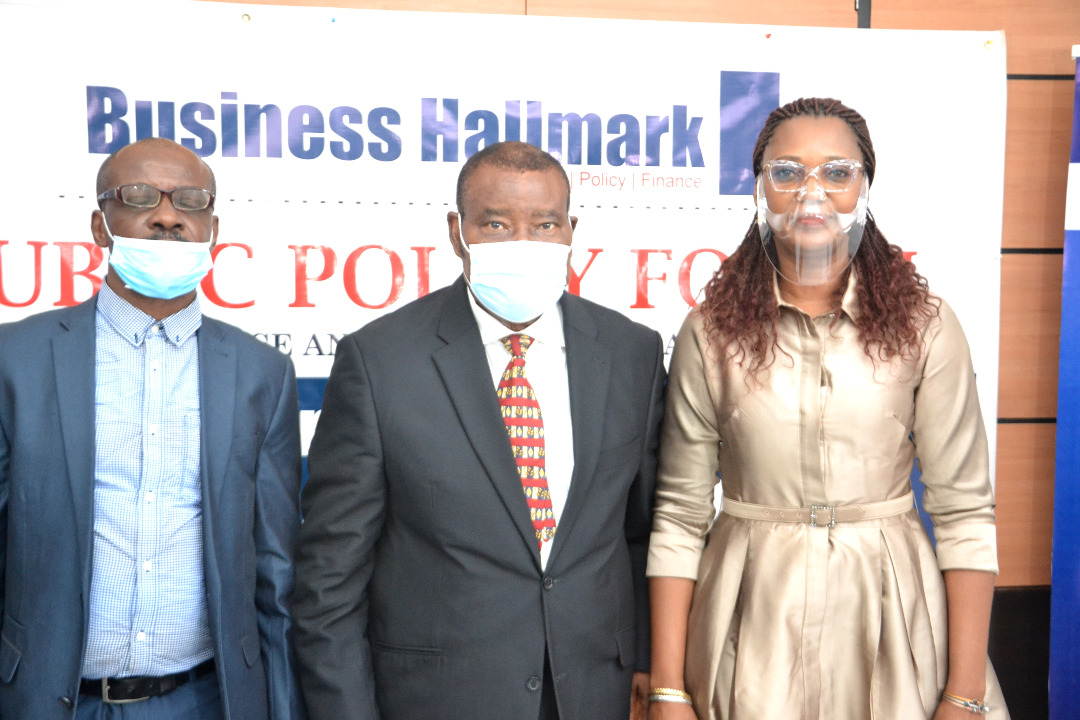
(419, 589)
(250, 497)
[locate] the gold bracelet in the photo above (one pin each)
(975, 706)
(669, 692)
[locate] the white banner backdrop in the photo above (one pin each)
(336, 136)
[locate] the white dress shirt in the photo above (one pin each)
(148, 612)
(545, 368)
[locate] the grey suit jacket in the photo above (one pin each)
(419, 589)
(250, 492)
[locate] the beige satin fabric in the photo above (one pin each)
(794, 621)
(820, 515)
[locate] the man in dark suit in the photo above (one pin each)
(149, 480)
(481, 480)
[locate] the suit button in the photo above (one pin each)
(549, 582)
(66, 702)
(533, 684)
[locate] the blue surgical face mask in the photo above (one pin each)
(163, 269)
(517, 280)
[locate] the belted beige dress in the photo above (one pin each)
(793, 621)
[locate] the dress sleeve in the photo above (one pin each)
(689, 460)
(951, 446)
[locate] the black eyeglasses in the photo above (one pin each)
(147, 196)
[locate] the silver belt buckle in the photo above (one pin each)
(815, 509)
(106, 699)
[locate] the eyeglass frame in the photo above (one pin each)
(116, 194)
(856, 166)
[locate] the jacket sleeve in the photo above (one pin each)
(5, 462)
(277, 514)
(640, 506)
(344, 505)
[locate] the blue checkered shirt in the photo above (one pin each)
(148, 611)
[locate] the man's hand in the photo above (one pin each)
(639, 696)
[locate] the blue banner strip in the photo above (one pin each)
(310, 392)
(310, 395)
(1065, 569)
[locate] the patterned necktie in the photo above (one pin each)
(525, 426)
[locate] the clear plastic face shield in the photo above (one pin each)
(811, 220)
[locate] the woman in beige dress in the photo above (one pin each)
(815, 371)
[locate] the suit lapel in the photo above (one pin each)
(463, 367)
(73, 351)
(217, 400)
(588, 368)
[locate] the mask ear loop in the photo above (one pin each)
(468, 252)
(461, 237)
(105, 224)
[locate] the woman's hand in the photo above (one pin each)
(948, 711)
(968, 594)
(671, 711)
(669, 599)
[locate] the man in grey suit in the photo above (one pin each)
(149, 480)
(481, 481)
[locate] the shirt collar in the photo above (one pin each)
(133, 324)
(849, 303)
(546, 329)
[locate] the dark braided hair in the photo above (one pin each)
(740, 309)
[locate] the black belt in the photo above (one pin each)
(133, 689)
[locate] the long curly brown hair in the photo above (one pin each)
(740, 309)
